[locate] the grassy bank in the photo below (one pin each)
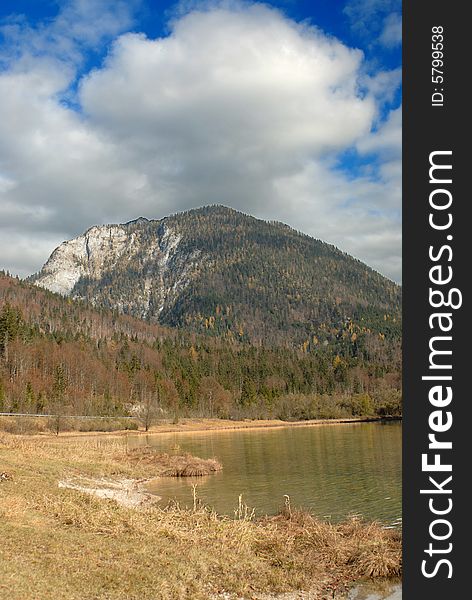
(75, 428)
(30, 425)
(58, 542)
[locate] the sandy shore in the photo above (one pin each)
(127, 492)
(197, 425)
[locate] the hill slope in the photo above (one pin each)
(61, 355)
(217, 270)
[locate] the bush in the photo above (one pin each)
(22, 425)
(32, 425)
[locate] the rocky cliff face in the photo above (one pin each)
(86, 266)
(88, 255)
(224, 272)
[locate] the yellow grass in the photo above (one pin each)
(116, 427)
(66, 544)
(174, 465)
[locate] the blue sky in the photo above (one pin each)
(288, 110)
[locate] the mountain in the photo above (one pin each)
(223, 272)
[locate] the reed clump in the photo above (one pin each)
(174, 465)
(357, 548)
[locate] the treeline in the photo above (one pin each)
(59, 356)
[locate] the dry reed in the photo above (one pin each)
(174, 465)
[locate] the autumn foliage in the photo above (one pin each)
(63, 357)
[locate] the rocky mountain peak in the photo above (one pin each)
(219, 270)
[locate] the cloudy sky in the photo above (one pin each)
(288, 110)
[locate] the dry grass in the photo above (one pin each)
(47, 425)
(62, 543)
(116, 426)
(174, 465)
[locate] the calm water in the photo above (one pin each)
(333, 470)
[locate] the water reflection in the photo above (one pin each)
(333, 470)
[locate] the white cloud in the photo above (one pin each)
(391, 35)
(378, 21)
(79, 25)
(238, 106)
(387, 139)
(231, 81)
(383, 85)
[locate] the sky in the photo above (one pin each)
(287, 110)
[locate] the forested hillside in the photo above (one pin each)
(218, 271)
(60, 355)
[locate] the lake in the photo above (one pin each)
(332, 470)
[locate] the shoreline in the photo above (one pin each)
(130, 493)
(87, 505)
(195, 425)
